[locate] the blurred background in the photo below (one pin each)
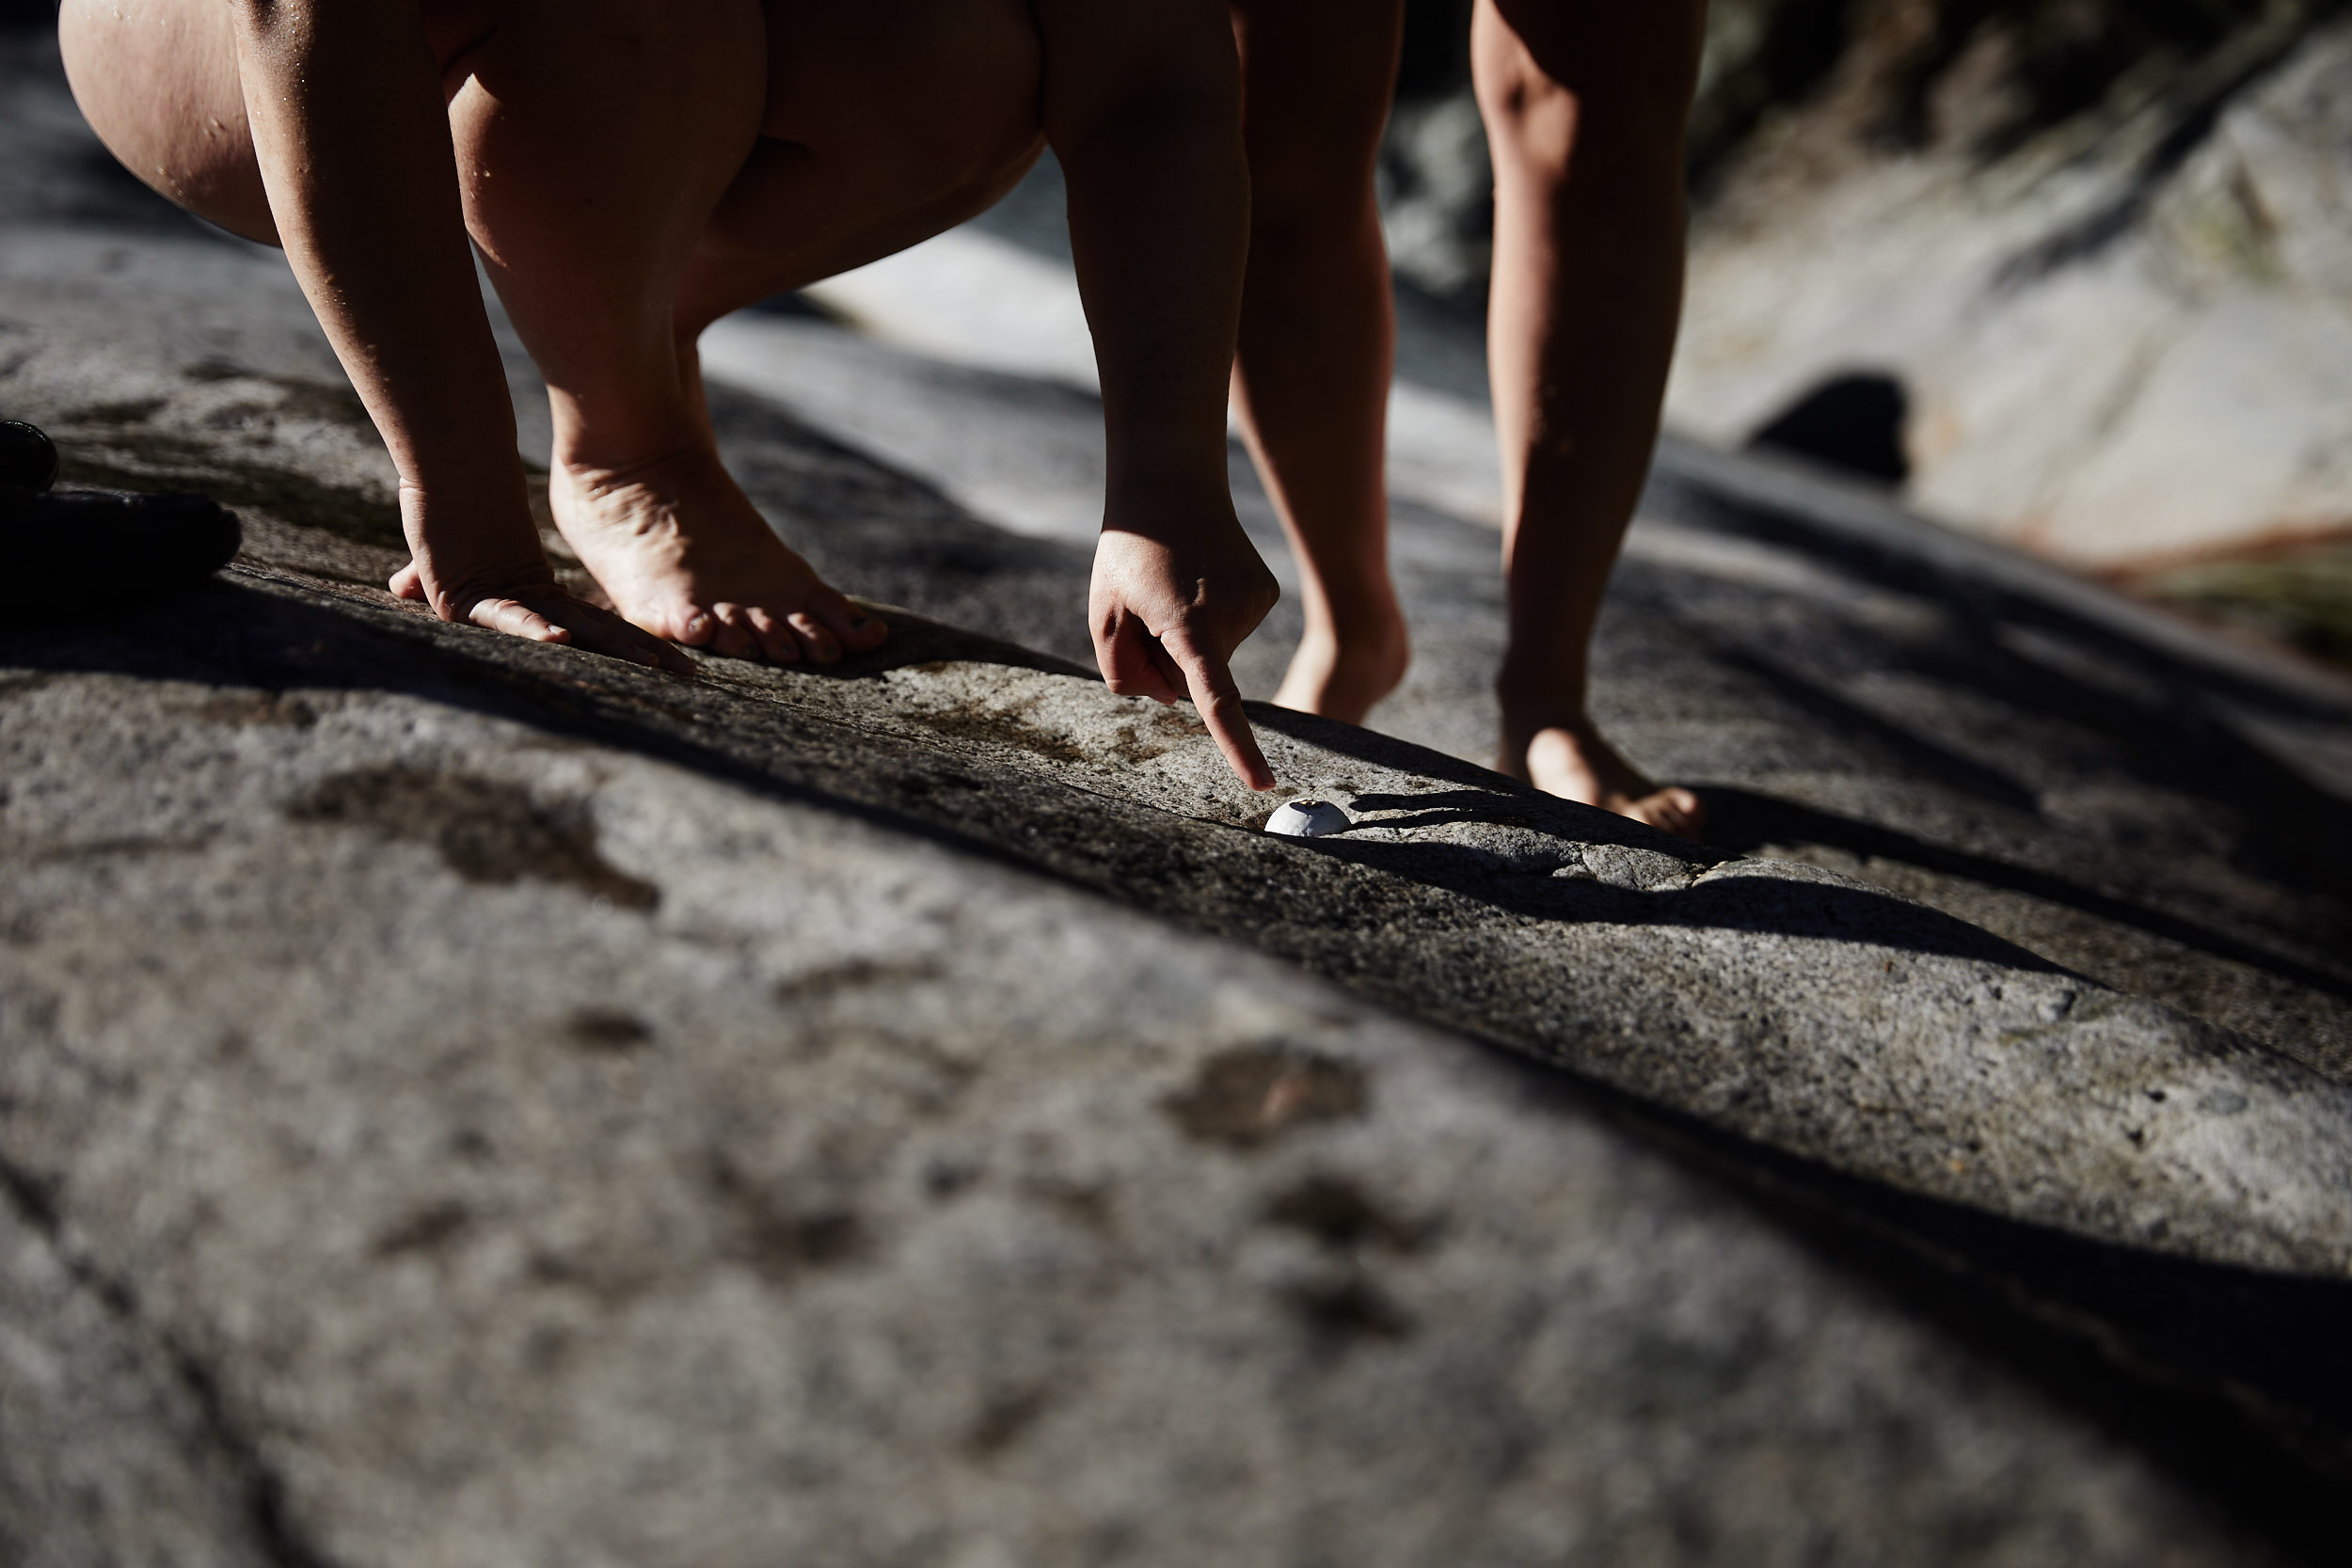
(2075, 274)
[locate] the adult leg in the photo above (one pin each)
(1318, 329)
(1584, 103)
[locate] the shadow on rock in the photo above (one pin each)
(1808, 909)
(2238, 1380)
(1748, 823)
(2295, 832)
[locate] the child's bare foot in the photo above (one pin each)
(683, 553)
(1344, 677)
(1574, 762)
(544, 613)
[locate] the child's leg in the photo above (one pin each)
(157, 79)
(603, 145)
(879, 125)
(1318, 329)
(886, 123)
(596, 140)
(1584, 103)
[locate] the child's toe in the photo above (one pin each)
(1675, 811)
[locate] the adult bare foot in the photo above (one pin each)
(683, 553)
(1574, 762)
(1344, 677)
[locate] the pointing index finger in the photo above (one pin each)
(1218, 700)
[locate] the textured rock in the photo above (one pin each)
(555, 1153)
(115, 1450)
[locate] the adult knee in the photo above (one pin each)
(1602, 88)
(1316, 78)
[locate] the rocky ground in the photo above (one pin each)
(466, 1101)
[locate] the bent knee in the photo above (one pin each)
(932, 95)
(1311, 156)
(1317, 76)
(1553, 78)
(157, 79)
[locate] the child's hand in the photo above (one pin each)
(1176, 589)
(537, 609)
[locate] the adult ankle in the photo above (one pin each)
(1541, 699)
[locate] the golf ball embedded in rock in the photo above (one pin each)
(1307, 819)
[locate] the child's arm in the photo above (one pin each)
(354, 144)
(1142, 105)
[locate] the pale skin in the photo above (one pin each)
(629, 171)
(1584, 103)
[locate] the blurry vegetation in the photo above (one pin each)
(2302, 597)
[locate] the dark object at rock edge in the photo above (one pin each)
(79, 553)
(28, 459)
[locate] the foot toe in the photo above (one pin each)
(816, 640)
(855, 629)
(775, 639)
(408, 583)
(735, 638)
(1675, 811)
(844, 620)
(693, 627)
